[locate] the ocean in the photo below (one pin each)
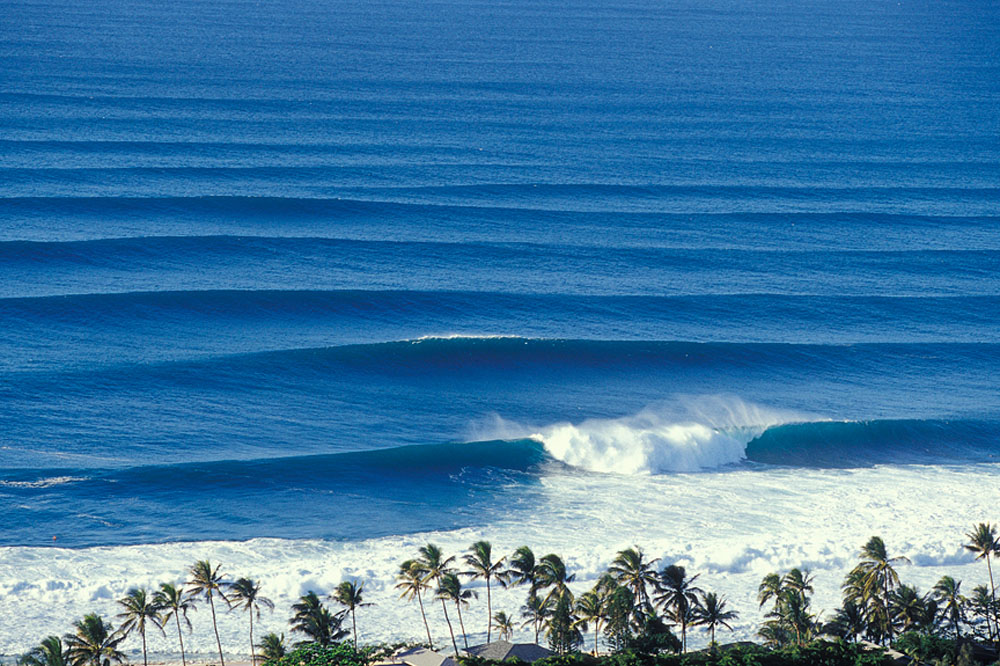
(301, 286)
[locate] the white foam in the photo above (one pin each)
(687, 435)
(43, 483)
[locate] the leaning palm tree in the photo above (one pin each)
(633, 571)
(534, 611)
(435, 565)
(174, 602)
(349, 594)
(312, 618)
(983, 543)
(552, 572)
(522, 569)
(678, 595)
(482, 565)
(49, 653)
(209, 582)
(94, 643)
(411, 582)
(504, 624)
(450, 588)
(874, 579)
(245, 594)
(590, 611)
(948, 593)
(140, 611)
(712, 613)
(272, 647)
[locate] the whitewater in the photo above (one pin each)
(299, 287)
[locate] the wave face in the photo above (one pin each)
(301, 286)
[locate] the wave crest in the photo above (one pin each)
(687, 435)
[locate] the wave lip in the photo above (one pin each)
(692, 435)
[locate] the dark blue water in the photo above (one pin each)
(255, 256)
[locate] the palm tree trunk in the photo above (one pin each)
(215, 626)
(465, 636)
(354, 625)
(993, 597)
(451, 630)
(180, 637)
(713, 639)
(684, 635)
(489, 613)
(253, 652)
(536, 630)
(143, 634)
(423, 615)
(597, 629)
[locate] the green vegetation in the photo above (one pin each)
(630, 614)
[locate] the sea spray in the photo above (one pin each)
(688, 434)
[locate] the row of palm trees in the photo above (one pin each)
(877, 606)
(633, 603)
(627, 601)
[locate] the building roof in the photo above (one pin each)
(424, 657)
(501, 650)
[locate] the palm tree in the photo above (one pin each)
(272, 647)
(873, 579)
(631, 570)
(312, 618)
(504, 624)
(769, 588)
(712, 613)
(911, 611)
(94, 643)
(534, 610)
(435, 565)
(522, 569)
(350, 595)
(174, 603)
(410, 583)
(481, 565)
(948, 593)
(551, 572)
(981, 605)
(450, 588)
(678, 596)
(245, 594)
(209, 582)
(140, 611)
(49, 653)
(590, 609)
(983, 542)
(848, 622)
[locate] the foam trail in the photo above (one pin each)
(687, 435)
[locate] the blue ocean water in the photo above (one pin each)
(372, 258)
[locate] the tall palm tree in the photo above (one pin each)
(534, 610)
(450, 588)
(521, 569)
(49, 653)
(245, 594)
(504, 624)
(910, 611)
(174, 602)
(983, 543)
(140, 611)
(481, 565)
(848, 622)
(94, 643)
(209, 582)
(712, 613)
(350, 595)
(948, 593)
(632, 570)
(590, 610)
(875, 578)
(678, 595)
(411, 582)
(769, 588)
(551, 572)
(435, 565)
(272, 647)
(980, 605)
(312, 618)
